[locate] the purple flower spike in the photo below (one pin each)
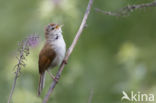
(33, 40)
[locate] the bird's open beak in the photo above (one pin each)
(59, 26)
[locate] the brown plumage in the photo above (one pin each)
(46, 57)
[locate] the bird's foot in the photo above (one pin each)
(53, 77)
(65, 61)
(56, 79)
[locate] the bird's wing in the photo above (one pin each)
(46, 57)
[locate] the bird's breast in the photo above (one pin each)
(59, 47)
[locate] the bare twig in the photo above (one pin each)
(107, 12)
(83, 23)
(91, 96)
(23, 51)
(128, 9)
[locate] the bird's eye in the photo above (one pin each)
(52, 28)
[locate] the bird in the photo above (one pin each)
(52, 53)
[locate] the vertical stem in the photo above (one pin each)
(17, 70)
(13, 88)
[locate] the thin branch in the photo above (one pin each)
(23, 51)
(128, 9)
(83, 23)
(107, 12)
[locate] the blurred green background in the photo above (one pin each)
(112, 55)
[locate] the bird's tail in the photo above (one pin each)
(41, 83)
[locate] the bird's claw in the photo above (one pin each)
(56, 79)
(65, 61)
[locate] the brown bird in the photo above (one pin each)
(52, 53)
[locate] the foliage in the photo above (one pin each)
(112, 55)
